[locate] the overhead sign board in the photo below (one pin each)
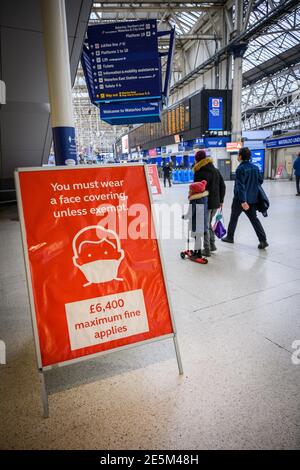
(130, 112)
(216, 142)
(89, 70)
(126, 61)
(234, 146)
(283, 141)
(211, 142)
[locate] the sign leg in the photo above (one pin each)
(178, 356)
(44, 394)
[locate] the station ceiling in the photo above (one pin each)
(272, 31)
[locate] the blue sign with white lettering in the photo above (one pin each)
(89, 72)
(199, 142)
(125, 61)
(258, 159)
(64, 145)
(215, 114)
(211, 142)
(216, 141)
(288, 141)
(130, 112)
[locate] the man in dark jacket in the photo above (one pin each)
(246, 188)
(167, 174)
(296, 167)
(204, 169)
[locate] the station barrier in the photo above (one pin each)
(182, 176)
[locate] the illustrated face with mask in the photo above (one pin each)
(98, 254)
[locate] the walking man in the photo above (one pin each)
(167, 174)
(296, 167)
(247, 181)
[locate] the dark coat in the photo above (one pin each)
(167, 171)
(247, 181)
(263, 202)
(205, 170)
(296, 166)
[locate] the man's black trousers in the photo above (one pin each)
(236, 210)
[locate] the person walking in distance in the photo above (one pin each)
(167, 174)
(296, 167)
(204, 169)
(246, 189)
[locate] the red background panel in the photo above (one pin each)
(55, 279)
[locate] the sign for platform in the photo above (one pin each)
(154, 179)
(93, 262)
(125, 60)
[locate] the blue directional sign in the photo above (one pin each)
(258, 159)
(211, 142)
(215, 114)
(283, 141)
(125, 61)
(130, 112)
(90, 71)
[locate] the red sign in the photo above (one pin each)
(233, 146)
(154, 179)
(152, 152)
(96, 277)
(279, 171)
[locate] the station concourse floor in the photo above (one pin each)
(237, 319)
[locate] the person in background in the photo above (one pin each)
(51, 159)
(246, 188)
(204, 169)
(167, 174)
(296, 167)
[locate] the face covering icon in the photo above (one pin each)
(98, 254)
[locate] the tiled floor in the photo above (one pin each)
(237, 319)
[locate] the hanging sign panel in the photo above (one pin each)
(126, 60)
(283, 141)
(130, 112)
(215, 114)
(93, 262)
(90, 72)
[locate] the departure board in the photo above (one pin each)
(174, 121)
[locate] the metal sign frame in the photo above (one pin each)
(164, 86)
(42, 369)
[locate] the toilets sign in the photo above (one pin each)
(93, 261)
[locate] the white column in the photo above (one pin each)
(59, 80)
(237, 100)
(237, 76)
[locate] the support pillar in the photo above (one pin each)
(59, 80)
(237, 51)
(236, 133)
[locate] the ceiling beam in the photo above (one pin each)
(172, 3)
(154, 9)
